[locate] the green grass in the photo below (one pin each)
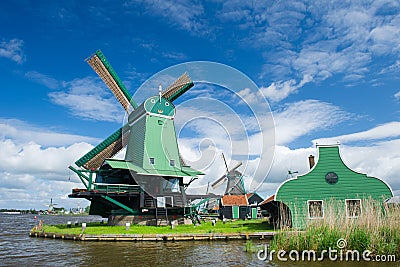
(239, 226)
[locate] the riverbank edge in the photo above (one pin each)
(156, 237)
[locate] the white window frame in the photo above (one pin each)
(347, 210)
(322, 207)
(171, 198)
(161, 203)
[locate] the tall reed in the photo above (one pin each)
(377, 229)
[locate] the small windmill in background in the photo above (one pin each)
(234, 178)
(51, 206)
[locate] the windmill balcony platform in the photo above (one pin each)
(120, 188)
(109, 189)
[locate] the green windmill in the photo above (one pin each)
(149, 181)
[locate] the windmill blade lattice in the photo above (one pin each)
(106, 149)
(235, 184)
(103, 68)
(219, 181)
(236, 166)
(177, 88)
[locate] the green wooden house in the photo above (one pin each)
(329, 182)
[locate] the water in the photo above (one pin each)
(18, 249)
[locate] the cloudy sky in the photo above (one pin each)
(328, 69)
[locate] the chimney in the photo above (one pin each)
(311, 161)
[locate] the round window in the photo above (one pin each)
(331, 178)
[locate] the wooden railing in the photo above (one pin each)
(117, 188)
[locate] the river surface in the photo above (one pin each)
(18, 249)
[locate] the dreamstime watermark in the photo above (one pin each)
(340, 254)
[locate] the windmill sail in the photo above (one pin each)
(219, 182)
(179, 87)
(106, 149)
(103, 68)
(237, 166)
(235, 185)
(226, 165)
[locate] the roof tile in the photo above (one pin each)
(234, 200)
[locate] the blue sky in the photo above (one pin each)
(329, 70)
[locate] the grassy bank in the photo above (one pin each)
(377, 229)
(239, 226)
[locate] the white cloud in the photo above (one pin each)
(183, 14)
(43, 79)
(385, 39)
(16, 181)
(292, 121)
(248, 96)
(89, 98)
(34, 165)
(30, 192)
(392, 68)
(286, 159)
(319, 39)
(397, 95)
(380, 160)
(29, 149)
(174, 55)
(21, 133)
(346, 42)
(32, 158)
(208, 126)
(215, 130)
(135, 77)
(278, 91)
(304, 117)
(384, 131)
(12, 49)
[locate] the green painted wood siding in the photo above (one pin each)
(312, 186)
(161, 144)
(135, 148)
(154, 137)
(235, 212)
(254, 213)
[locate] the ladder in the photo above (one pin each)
(149, 201)
(160, 212)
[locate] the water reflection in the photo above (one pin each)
(17, 249)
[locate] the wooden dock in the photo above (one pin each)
(156, 237)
